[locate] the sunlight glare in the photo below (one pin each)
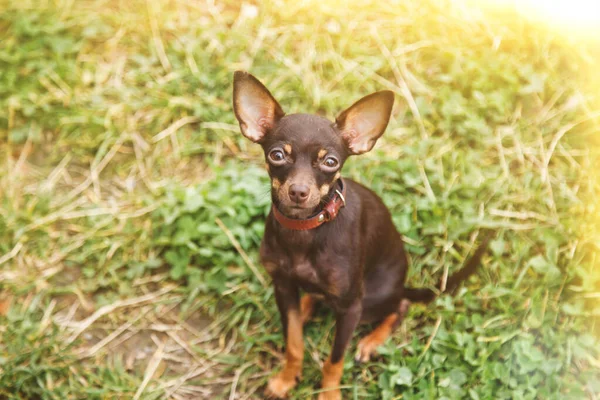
(573, 14)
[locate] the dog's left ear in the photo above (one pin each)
(364, 122)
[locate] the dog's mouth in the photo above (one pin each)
(287, 204)
(300, 207)
(296, 210)
(292, 205)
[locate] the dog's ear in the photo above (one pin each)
(255, 108)
(364, 122)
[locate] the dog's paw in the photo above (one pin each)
(332, 394)
(279, 386)
(366, 348)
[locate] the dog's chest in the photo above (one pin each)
(304, 270)
(327, 284)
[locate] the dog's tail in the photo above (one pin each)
(424, 295)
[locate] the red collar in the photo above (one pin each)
(328, 213)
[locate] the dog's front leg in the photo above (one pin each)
(333, 368)
(288, 301)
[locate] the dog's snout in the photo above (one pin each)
(299, 193)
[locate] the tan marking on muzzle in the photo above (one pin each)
(276, 183)
(337, 176)
(303, 178)
(324, 190)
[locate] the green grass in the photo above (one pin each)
(131, 208)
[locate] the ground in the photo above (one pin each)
(132, 208)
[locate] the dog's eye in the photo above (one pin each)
(277, 157)
(330, 163)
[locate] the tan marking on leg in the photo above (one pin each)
(322, 153)
(270, 267)
(307, 307)
(285, 380)
(369, 344)
(332, 375)
(324, 190)
(288, 149)
(333, 289)
(276, 184)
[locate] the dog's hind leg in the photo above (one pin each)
(368, 345)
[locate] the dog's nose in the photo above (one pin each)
(298, 193)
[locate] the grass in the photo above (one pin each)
(132, 208)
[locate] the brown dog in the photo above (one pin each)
(330, 237)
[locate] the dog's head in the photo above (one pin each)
(305, 153)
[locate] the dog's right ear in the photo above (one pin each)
(255, 108)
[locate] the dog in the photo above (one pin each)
(328, 236)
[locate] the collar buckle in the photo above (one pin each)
(341, 197)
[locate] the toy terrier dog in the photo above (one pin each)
(326, 235)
